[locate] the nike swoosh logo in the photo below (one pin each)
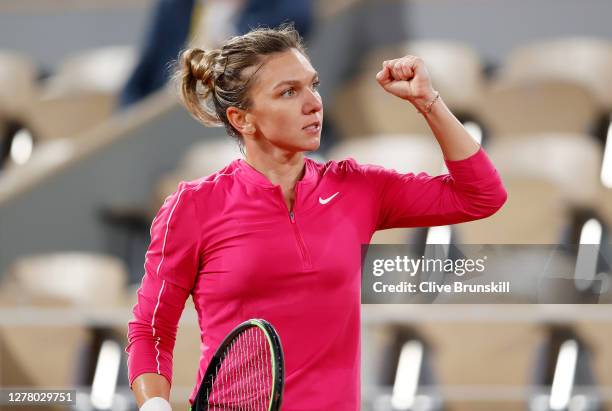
(328, 199)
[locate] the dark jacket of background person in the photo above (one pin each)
(169, 31)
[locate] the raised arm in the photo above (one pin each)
(471, 190)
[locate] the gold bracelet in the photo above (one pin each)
(430, 104)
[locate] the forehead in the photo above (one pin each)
(288, 65)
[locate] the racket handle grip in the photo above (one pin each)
(156, 404)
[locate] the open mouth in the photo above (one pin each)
(313, 127)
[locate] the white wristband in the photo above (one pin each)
(156, 404)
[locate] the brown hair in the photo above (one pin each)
(211, 81)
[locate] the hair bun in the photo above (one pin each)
(210, 81)
(192, 60)
(200, 64)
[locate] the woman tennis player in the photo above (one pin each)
(277, 235)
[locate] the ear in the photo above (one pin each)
(241, 120)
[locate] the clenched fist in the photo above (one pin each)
(408, 79)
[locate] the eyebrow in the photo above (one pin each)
(293, 82)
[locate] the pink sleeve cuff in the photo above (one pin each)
(144, 358)
(136, 373)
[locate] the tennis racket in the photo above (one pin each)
(246, 373)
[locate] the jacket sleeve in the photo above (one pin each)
(171, 266)
(470, 191)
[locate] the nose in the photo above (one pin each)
(313, 102)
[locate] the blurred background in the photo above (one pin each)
(92, 139)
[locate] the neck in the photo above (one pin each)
(281, 168)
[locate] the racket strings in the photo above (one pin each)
(244, 377)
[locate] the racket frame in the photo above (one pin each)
(277, 360)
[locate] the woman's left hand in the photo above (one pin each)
(408, 79)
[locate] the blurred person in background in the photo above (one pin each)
(174, 20)
(277, 235)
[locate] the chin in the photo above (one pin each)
(313, 145)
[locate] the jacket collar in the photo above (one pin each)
(253, 176)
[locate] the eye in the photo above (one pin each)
(289, 92)
(316, 85)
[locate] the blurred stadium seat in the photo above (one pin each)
(82, 93)
(571, 161)
(348, 112)
(202, 159)
(511, 107)
(67, 114)
(547, 175)
(79, 280)
(603, 204)
(40, 356)
(74, 278)
(586, 60)
(17, 84)
(18, 89)
(104, 69)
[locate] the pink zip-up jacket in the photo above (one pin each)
(230, 242)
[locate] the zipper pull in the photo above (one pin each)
(291, 216)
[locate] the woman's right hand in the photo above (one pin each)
(407, 78)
